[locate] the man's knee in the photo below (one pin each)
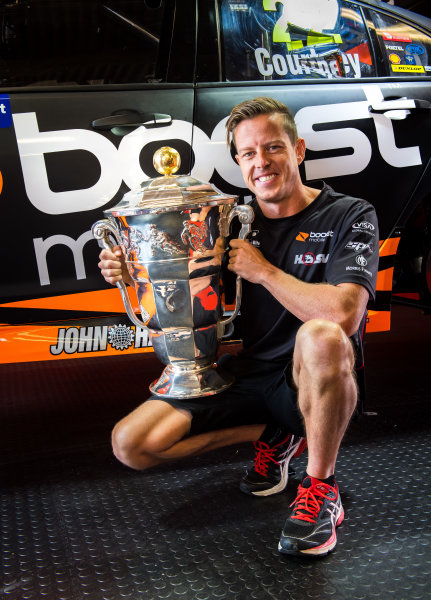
(125, 445)
(141, 439)
(137, 449)
(322, 345)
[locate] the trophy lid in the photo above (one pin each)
(168, 192)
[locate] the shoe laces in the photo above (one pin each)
(309, 501)
(264, 456)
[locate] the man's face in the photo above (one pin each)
(268, 160)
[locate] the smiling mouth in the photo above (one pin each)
(265, 178)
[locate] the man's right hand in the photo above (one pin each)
(113, 266)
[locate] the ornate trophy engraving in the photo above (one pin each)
(173, 231)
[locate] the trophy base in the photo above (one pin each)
(180, 382)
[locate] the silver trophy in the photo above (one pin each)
(173, 232)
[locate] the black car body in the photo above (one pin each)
(90, 90)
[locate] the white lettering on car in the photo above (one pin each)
(310, 116)
(72, 340)
(210, 153)
(304, 64)
(33, 144)
(42, 246)
(122, 164)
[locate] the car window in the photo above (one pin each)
(80, 42)
(404, 50)
(293, 39)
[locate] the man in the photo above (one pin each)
(308, 273)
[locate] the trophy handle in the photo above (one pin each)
(245, 215)
(103, 231)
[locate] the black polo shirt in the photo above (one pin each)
(333, 240)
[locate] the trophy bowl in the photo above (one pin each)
(173, 233)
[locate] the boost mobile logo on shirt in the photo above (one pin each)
(314, 236)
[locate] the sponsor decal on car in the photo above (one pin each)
(415, 49)
(5, 111)
(72, 340)
(305, 64)
(121, 164)
(395, 48)
(408, 69)
(390, 37)
(394, 58)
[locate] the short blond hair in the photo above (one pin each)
(260, 106)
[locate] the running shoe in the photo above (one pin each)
(316, 512)
(271, 464)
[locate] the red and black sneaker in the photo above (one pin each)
(271, 465)
(316, 512)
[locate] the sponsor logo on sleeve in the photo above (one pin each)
(365, 227)
(359, 246)
(362, 262)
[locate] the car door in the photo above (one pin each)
(363, 112)
(90, 90)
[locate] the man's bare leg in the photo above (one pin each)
(327, 392)
(153, 433)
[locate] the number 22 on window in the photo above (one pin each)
(280, 33)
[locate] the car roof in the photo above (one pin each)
(413, 17)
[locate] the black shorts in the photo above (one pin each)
(259, 395)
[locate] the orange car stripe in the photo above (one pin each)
(378, 320)
(32, 343)
(384, 280)
(98, 301)
(388, 247)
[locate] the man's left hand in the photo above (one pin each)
(247, 261)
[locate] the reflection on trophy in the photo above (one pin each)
(173, 232)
